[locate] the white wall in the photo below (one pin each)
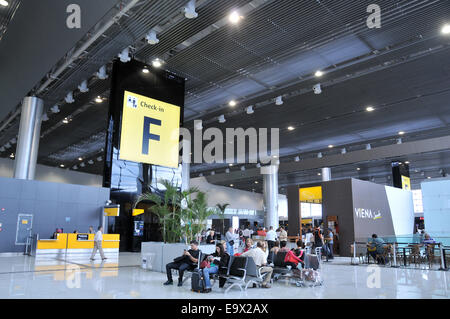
(402, 210)
(53, 174)
(238, 199)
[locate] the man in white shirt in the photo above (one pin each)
(246, 233)
(271, 237)
(98, 238)
(259, 256)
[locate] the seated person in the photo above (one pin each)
(218, 264)
(248, 246)
(299, 248)
(212, 237)
(283, 245)
(275, 248)
(259, 256)
(428, 242)
(375, 246)
(292, 259)
(188, 260)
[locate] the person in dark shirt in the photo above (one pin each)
(188, 260)
(212, 237)
(218, 264)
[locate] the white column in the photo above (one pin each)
(28, 140)
(186, 165)
(326, 174)
(270, 193)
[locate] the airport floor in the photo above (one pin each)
(122, 277)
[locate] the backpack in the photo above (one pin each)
(197, 283)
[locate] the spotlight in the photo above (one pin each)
(189, 10)
(55, 108)
(330, 146)
(318, 73)
(66, 120)
(4, 3)
(69, 98)
(319, 174)
(317, 89)
(231, 185)
(145, 70)
(101, 74)
(445, 29)
(291, 128)
(230, 164)
(250, 109)
(80, 158)
(370, 109)
(98, 99)
(358, 169)
(401, 133)
(157, 63)
(232, 103)
(124, 56)
(407, 162)
(222, 119)
(151, 37)
(279, 100)
(12, 155)
(83, 87)
(234, 17)
(256, 182)
(62, 165)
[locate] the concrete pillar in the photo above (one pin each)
(186, 165)
(270, 193)
(28, 140)
(326, 174)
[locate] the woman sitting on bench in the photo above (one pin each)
(293, 260)
(217, 261)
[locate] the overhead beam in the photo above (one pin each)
(382, 152)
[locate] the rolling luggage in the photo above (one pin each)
(197, 283)
(311, 262)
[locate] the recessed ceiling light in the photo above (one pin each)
(358, 169)
(232, 103)
(234, 17)
(319, 174)
(4, 3)
(12, 155)
(145, 70)
(318, 73)
(62, 165)
(401, 133)
(275, 156)
(370, 109)
(428, 177)
(230, 164)
(256, 182)
(330, 146)
(407, 162)
(66, 120)
(231, 185)
(98, 99)
(80, 158)
(445, 29)
(157, 63)
(291, 128)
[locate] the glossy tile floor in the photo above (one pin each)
(122, 277)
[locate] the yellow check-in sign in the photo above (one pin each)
(150, 131)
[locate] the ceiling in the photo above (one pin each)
(401, 69)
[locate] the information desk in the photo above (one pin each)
(69, 244)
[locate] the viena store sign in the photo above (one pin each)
(367, 213)
(151, 131)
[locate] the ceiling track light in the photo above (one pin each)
(69, 98)
(151, 37)
(4, 3)
(12, 155)
(189, 10)
(101, 74)
(124, 56)
(250, 109)
(234, 17)
(222, 119)
(157, 63)
(55, 108)
(317, 89)
(279, 100)
(83, 87)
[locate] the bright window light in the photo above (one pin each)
(445, 29)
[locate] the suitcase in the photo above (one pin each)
(197, 283)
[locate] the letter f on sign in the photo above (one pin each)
(147, 136)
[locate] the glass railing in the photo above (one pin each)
(409, 239)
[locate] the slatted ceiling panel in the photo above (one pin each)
(208, 13)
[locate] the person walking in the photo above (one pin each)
(98, 238)
(229, 236)
(271, 236)
(283, 235)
